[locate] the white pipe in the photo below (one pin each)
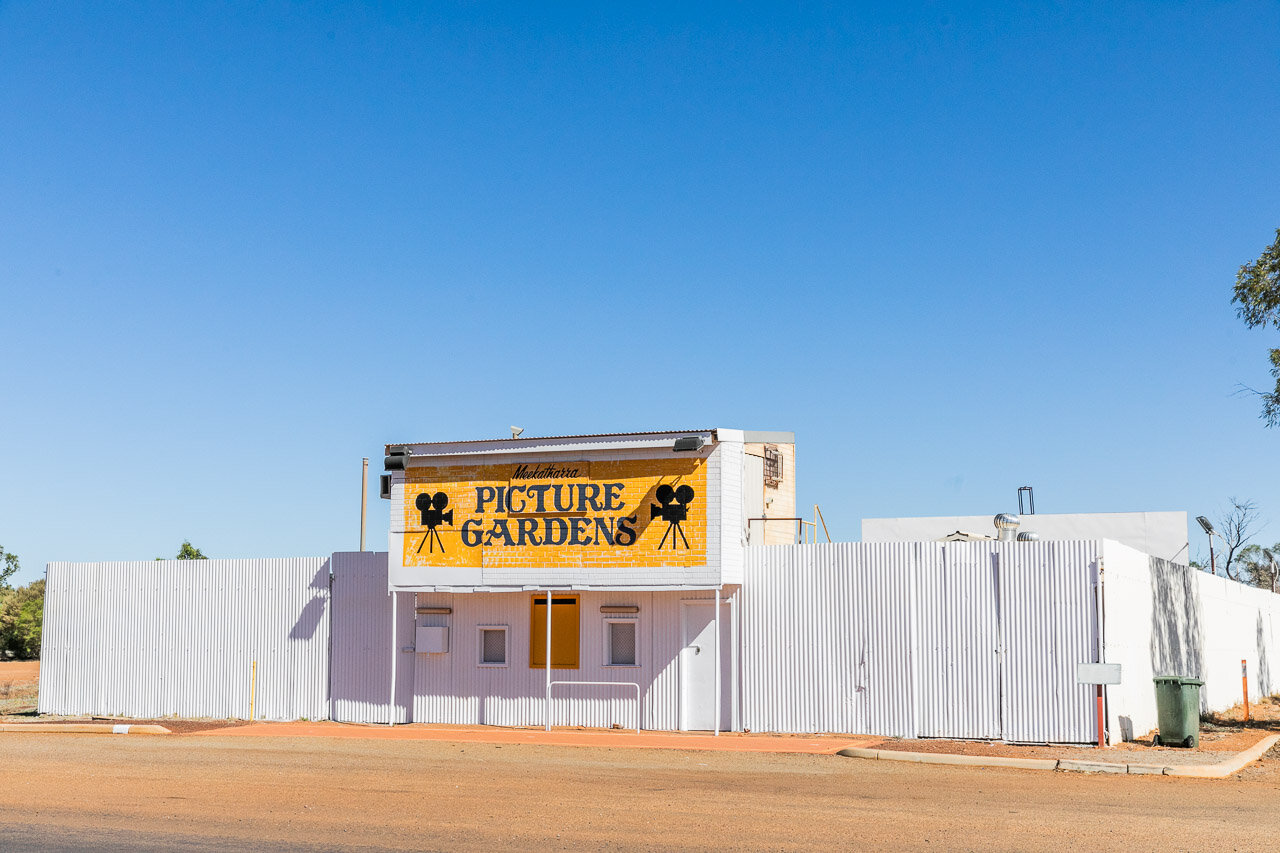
(735, 663)
(717, 623)
(1102, 648)
(395, 655)
(548, 660)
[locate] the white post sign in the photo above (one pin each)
(1097, 673)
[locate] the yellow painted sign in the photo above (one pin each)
(632, 512)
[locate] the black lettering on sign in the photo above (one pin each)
(626, 534)
(528, 532)
(560, 534)
(580, 531)
(499, 529)
(545, 472)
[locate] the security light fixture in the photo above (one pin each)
(687, 444)
(1208, 528)
(397, 457)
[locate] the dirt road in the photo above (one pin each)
(209, 792)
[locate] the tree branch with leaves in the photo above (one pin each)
(1257, 292)
(8, 567)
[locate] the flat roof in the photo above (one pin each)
(533, 438)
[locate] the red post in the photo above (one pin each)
(1102, 727)
(1244, 682)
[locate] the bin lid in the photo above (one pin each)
(1178, 679)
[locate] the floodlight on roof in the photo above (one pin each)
(1204, 522)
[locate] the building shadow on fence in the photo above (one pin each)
(1177, 621)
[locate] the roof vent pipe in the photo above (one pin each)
(1028, 536)
(1006, 527)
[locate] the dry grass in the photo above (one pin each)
(19, 687)
(1263, 714)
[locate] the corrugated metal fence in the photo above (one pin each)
(362, 643)
(162, 638)
(920, 639)
(975, 640)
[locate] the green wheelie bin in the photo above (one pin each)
(1178, 710)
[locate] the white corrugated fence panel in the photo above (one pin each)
(958, 637)
(181, 638)
(918, 639)
(363, 649)
(826, 638)
(1048, 624)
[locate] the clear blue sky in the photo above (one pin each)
(956, 249)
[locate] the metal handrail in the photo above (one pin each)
(609, 684)
(800, 532)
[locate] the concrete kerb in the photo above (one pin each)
(85, 728)
(1226, 768)
(1221, 770)
(948, 758)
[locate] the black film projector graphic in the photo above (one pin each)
(433, 515)
(674, 509)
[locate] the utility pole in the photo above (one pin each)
(364, 498)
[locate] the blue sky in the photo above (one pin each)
(957, 249)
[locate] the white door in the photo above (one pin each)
(698, 658)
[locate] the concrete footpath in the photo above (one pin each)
(85, 728)
(1217, 770)
(730, 742)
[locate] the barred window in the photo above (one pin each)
(620, 642)
(772, 465)
(493, 645)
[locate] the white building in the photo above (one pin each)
(669, 609)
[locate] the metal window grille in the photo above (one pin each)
(772, 465)
(622, 643)
(493, 645)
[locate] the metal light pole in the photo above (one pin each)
(1208, 528)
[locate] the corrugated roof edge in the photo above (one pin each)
(551, 437)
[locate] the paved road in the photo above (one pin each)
(89, 792)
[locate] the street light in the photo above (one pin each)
(1208, 528)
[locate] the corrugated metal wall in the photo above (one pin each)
(1048, 623)
(362, 646)
(972, 640)
(965, 639)
(161, 638)
(453, 688)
